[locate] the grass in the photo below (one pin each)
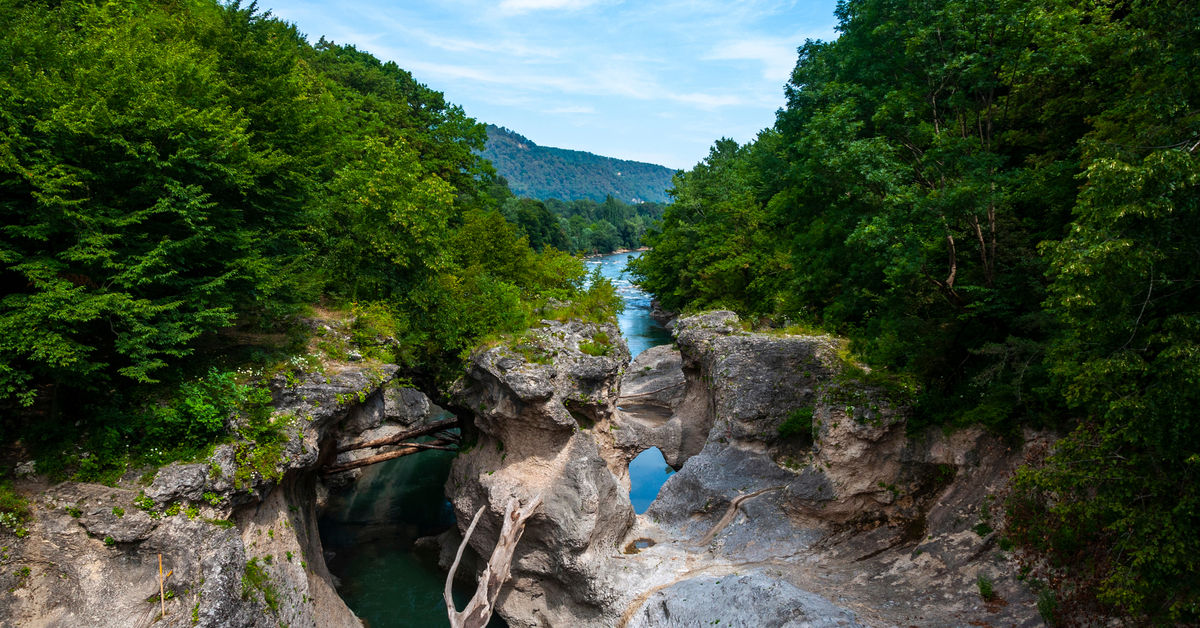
(599, 345)
(14, 510)
(987, 590)
(255, 578)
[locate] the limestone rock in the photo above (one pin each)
(542, 430)
(752, 599)
(91, 555)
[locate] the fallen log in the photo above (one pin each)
(423, 430)
(405, 449)
(479, 609)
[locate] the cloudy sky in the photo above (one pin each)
(650, 80)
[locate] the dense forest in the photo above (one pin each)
(182, 183)
(542, 172)
(999, 203)
(582, 226)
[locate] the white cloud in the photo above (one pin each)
(525, 6)
(777, 56)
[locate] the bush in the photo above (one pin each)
(799, 423)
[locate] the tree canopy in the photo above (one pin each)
(996, 201)
(171, 170)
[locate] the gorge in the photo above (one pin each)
(848, 521)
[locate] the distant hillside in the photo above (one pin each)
(542, 172)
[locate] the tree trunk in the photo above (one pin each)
(436, 426)
(479, 609)
(404, 450)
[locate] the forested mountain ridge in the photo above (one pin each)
(999, 203)
(544, 172)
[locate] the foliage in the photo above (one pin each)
(14, 509)
(599, 345)
(256, 579)
(997, 203)
(543, 173)
(798, 423)
(179, 177)
(598, 303)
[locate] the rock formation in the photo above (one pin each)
(243, 547)
(798, 488)
(801, 498)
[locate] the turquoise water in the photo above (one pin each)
(641, 332)
(370, 530)
(647, 473)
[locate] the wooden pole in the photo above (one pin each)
(162, 597)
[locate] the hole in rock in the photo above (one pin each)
(647, 473)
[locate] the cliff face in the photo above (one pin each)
(797, 486)
(539, 406)
(243, 549)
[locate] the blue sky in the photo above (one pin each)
(655, 81)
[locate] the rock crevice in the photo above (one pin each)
(798, 484)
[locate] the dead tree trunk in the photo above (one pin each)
(404, 450)
(479, 609)
(436, 426)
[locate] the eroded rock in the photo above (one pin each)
(798, 489)
(240, 541)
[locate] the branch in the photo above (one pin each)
(405, 449)
(482, 604)
(430, 428)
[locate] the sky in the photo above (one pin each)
(648, 80)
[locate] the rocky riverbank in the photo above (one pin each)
(801, 498)
(799, 488)
(241, 543)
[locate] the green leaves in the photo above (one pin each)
(1001, 201)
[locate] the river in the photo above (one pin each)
(368, 531)
(640, 331)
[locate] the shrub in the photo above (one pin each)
(986, 590)
(799, 423)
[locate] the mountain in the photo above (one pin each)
(543, 172)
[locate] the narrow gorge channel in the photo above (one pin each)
(368, 528)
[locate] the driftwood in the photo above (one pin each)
(479, 609)
(404, 450)
(730, 512)
(396, 439)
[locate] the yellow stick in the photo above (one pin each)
(162, 598)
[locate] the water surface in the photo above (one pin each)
(647, 473)
(641, 332)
